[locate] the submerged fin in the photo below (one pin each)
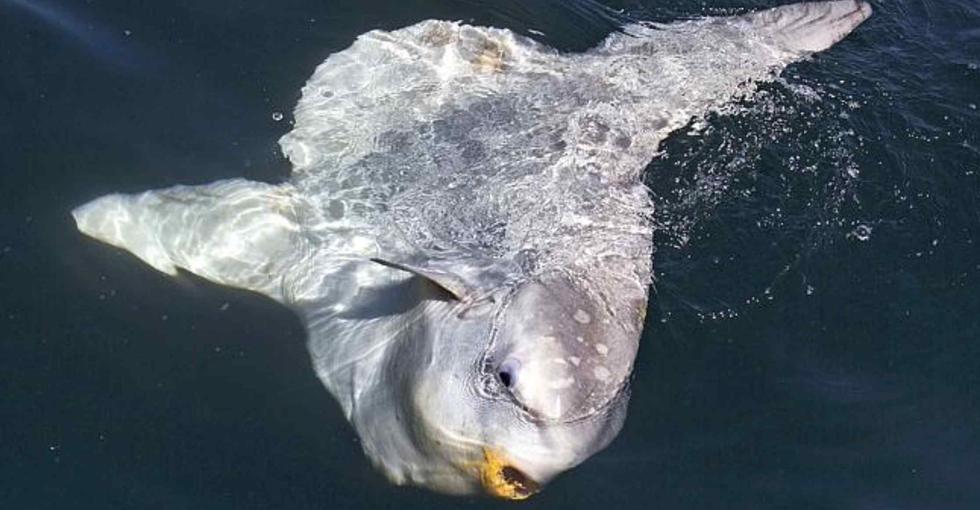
(235, 232)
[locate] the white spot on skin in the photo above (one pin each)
(601, 373)
(575, 360)
(559, 361)
(582, 316)
(579, 339)
(562, 383)
(602, 349)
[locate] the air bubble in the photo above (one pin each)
(861, 232)
(277, 116)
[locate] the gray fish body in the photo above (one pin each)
(466, 234)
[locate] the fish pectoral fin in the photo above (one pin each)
(465, 279)
(448, 282)
(238, 233)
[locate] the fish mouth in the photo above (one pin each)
(502, 480)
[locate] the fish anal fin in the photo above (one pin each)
(235, 232)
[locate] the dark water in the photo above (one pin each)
(814, 335)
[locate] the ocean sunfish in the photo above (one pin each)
(465, 233)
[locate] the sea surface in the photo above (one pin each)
(813, 336)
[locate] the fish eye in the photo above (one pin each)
(507, 372)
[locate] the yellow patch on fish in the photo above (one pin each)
(502, 480)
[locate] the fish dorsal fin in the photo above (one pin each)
(465, 279)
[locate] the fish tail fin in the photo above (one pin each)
(236, 232)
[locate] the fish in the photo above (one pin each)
(465, 234)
